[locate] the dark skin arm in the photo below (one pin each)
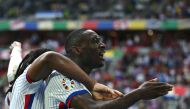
(86, 102)
(148, 90)
(42, 67)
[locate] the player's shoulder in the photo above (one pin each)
(22, 77)
(56, 79)
(22, 83)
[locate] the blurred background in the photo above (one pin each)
(145, 39)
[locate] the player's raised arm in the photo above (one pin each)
(15, 59)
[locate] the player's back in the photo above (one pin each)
(27, 94)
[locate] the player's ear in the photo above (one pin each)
(76, 50)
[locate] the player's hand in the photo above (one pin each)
(15, 44)
(153, 89)
(102, 92)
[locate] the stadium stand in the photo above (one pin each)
(97, 9)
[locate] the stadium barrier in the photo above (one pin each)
(122, 24)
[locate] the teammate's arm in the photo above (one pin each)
(44, 64)
(148, 90)
(15, 59)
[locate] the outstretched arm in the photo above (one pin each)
(86, 102)
(148, 90)
(15, 59)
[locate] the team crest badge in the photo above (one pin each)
(68, 85)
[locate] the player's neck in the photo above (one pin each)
(86, 68)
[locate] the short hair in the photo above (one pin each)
(73, 38)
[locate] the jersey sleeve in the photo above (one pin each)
(24, 85)
(61, 89)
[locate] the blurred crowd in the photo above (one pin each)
(97, 9)
(131, 59)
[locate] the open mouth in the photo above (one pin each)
(101, 54)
